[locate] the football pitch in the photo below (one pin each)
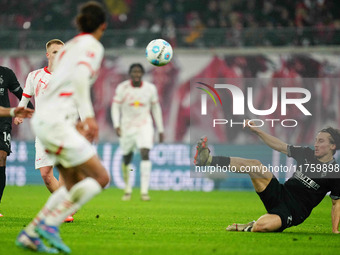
(172, 223)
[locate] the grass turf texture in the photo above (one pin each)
(172, 223)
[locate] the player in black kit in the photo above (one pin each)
(8, 81)
(288, 204)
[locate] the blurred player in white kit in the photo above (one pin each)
(75, 69)
(36, 83)
(132, 121)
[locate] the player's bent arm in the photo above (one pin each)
(81, 81)
(115, 116)
(24, 101)
(18, 94)
(271, 141)
(335, 215)
(157, 115)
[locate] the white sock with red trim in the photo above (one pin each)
(55, 198)
(79, 194)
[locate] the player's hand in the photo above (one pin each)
(18, 120)
(23, 112)
(250, 124)
(80, 126)
(161, 137)
(118, 131)
(89, 129)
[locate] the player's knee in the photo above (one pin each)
(256, 162)
(103, 179)
(267, 225)
(46, 178)
(260, 227)
(3, 157)
(250, 163)
(144, 154)
(254, 166)
(46, 173)
(127, 158)
(145, 157)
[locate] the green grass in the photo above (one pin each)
(172, 223)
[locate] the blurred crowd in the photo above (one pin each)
(242, 18)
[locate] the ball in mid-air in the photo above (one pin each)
(159, 52)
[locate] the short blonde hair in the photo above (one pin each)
(53, 41)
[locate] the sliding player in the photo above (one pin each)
(287, 204)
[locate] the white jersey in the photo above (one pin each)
(35, 85)
(75, 69)
(135, 105)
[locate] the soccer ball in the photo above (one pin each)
(158, 52)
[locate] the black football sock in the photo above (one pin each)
(220, 161)
(2, 180)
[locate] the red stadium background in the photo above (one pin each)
(173, 83)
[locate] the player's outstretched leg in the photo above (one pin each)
(241, 227)
(202, 156)
(33, 243)
(259, 174)
(51, 234)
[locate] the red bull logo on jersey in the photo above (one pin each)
(136, 104)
